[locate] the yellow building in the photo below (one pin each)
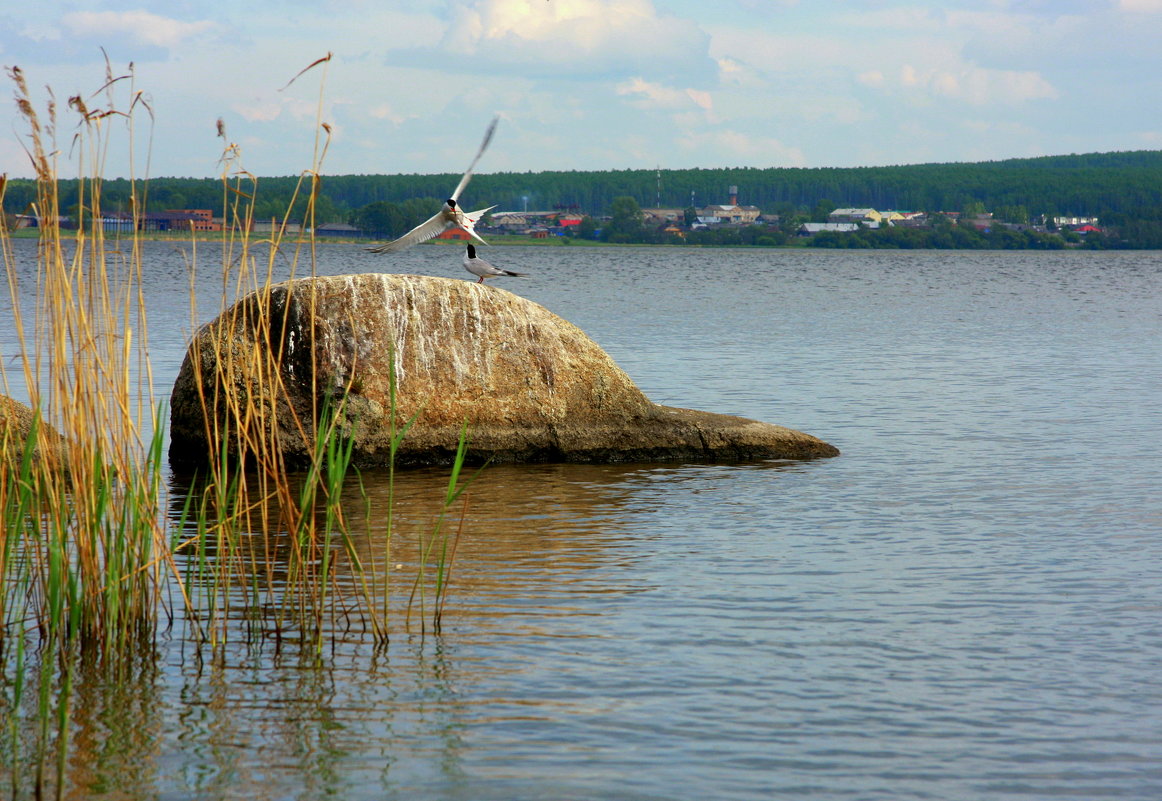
(855, 215)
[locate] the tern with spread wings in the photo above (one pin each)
(450, 215)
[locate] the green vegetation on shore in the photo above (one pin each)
(1123, 189)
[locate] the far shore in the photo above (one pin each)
(498, 240)
(299, 238)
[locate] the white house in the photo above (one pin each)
(807, 229)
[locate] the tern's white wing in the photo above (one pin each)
(475, 216)
(430, 228)
(468, 224)
(483, 146)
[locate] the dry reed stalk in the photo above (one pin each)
(298, 519)
(85, 556)
(97, 549)
(98, 555)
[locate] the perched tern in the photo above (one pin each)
(450, 215)
(480, 267)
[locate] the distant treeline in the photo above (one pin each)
(1121, 188)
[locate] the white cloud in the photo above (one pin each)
(271, 108)
(257, 111)
(735, 147)
(606, 83)
(384, 111)
(951, 54)
(703, 100)
(978, 85)
(655, 95)
(735, 73)
(728, 67)
(139, 26)
(36, 30)
(1141, 6)
(910, 18)
(580, 37)
(779, 52)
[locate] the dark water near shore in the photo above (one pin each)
(967, 604)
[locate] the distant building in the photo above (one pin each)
(808, 229)
(729, 213)
(112, 223)
(893, 217)
(161, 221)
(663, 216)
(855, 215)
(199, 219)
(982, 222)
(911, 219)
(519, 220)
(1074, 222)
(272, 226)
(339, 229)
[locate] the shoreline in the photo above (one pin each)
(515, 240)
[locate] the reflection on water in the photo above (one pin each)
(548, 532)
(964, 605)
(117, 726)
(539, 545)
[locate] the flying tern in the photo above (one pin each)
(477, 266)
(450, 215)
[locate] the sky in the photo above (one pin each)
(579, 84)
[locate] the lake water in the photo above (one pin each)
(967, 604)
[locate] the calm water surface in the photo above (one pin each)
(967, 604)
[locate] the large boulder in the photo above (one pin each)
(531, 386)
(17, 422)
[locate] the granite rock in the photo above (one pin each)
(531, 386)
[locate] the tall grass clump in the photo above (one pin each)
(84, 554)
(273, 542)
(91, 552)
(439, 549)
(94, 558)
(263, 536)
(84, 545)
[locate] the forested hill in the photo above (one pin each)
(1089, 185)
(1112, 186)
